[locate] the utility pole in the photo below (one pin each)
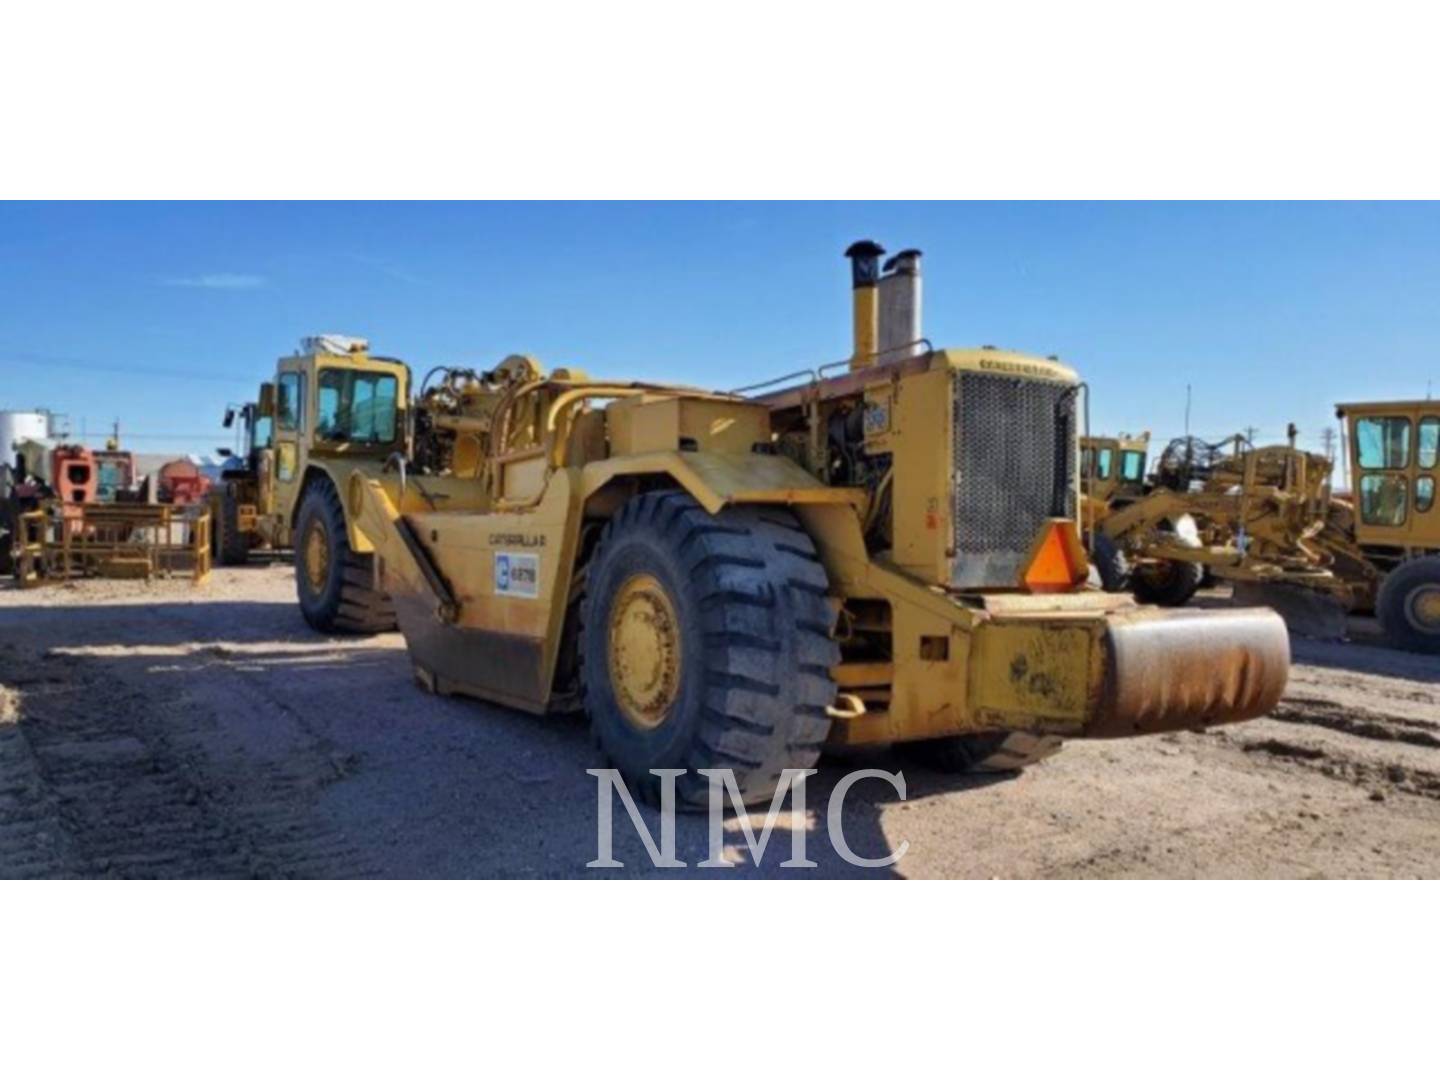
(1187, 410)
(1327, 443)
(1250, 433)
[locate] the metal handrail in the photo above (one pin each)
(814, 378)
(929, 348)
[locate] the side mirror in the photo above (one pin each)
(229, 420)
(267, 400)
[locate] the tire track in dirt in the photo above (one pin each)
(99, 777)
(271, 796)
(34, 842)
(1379, 777)
(1361, 723)
(101, 795)
(1375, 750)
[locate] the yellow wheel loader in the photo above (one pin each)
(331, 407)
(885, 553)
(245, 481)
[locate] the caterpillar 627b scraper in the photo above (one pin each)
(887, 553)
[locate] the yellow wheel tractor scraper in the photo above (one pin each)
(884, 554)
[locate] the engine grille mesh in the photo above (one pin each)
(1014, 446)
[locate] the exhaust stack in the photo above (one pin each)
(900, 324)
(864, 256)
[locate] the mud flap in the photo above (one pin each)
(1307, 612)
(1172, 670)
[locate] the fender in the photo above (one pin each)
(720, 480)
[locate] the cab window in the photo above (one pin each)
(1383, 499)
(1424, 494)
(356, 406)
(263, 432)
(1383, 442)
(290, 402)
(1429, 441)
(1132, 465)
(1107, 463)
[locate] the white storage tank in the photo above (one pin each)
(17, 426)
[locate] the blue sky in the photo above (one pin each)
(158, 314)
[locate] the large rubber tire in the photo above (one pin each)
(983, 752)
(233, 545)
(1409, 605)
(344, 600)
(8, 530)
(1173, 588)
(752, 685)
(1110, 562)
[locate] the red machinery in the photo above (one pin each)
(73, 474)
(182, 483)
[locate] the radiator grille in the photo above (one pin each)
(1014, 446)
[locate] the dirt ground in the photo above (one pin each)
(169, 730)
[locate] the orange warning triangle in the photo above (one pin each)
(1053, 567)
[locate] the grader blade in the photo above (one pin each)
(1309, 613)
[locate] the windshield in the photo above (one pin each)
(1384, 442)
(356, 406)
(260, 433)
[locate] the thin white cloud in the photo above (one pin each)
(218, 281)
(384, 266)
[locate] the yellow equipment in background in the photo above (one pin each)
(246, 481)
(1393, 521)
(1265, 519)
(1112, 468)
(1244, 514)
(330, 407)
(1112, 476)
(884, 553)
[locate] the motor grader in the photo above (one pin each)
(1240, 513)
(1112, 475)
(1112, 468)
(887, 553)
(330, 407)
(1266, 520)
(1388, 538)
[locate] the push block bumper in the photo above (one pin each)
(1171, 670)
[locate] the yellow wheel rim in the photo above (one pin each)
(317, 557)
(1425, 608)
(644, 660)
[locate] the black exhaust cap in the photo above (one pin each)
(864, 256)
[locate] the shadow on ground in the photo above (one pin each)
(221, 739)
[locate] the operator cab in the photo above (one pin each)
(1395, 464)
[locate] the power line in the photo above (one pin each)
(126, 436)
